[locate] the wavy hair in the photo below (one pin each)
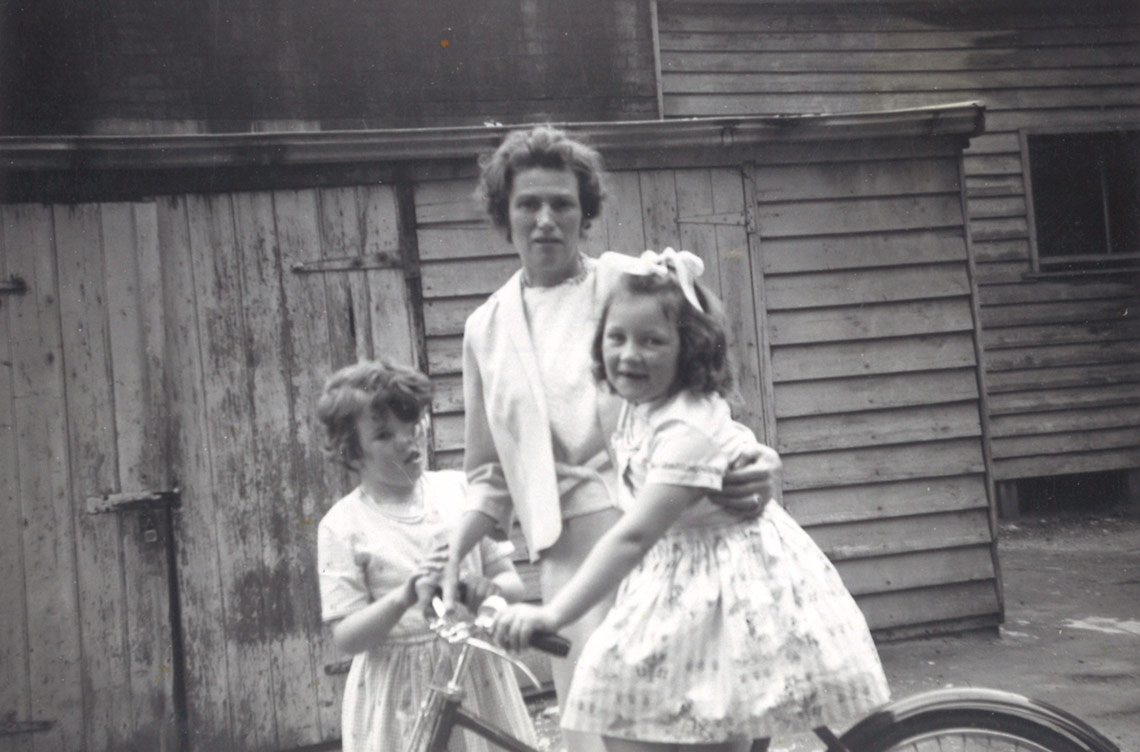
(541, 146)
(379, 386)
(703, 365)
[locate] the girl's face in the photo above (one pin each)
(640, 348)
(546, 222)
(392, 451)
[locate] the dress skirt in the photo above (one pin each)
(386, 686)
(731, 631)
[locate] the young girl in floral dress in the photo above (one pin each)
(378, 543)
(723, 630)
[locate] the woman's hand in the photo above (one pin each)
(478, 590)
(515, 624)
(750, 482)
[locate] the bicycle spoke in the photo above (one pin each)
(967, 740)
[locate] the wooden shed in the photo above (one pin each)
(1053, 197)
(171, 304)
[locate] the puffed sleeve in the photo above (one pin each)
(487, 485)
(344, 589)
(682, 454)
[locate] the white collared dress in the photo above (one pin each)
(363, 553)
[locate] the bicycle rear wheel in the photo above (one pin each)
(973, 720)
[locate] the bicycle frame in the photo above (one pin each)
(985, 713)
(442, 710)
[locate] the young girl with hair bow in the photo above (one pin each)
(724, 630)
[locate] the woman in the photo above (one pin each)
(537, 424)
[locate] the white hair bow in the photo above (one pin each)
(683, 266)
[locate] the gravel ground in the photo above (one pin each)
(544, 713)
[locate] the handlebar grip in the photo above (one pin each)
(549, 642)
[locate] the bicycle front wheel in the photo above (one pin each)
(973, 720)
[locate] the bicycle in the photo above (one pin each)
(944, 720)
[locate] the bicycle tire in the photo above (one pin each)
(973, 720)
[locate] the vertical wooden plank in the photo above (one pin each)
(695, 199)
(134, 298)
(622, 214)
(393, 335)
(267, 326)
(15, 691)
(655, 30)
(199, 578)
(980, 369)
(229, 433)
(760, 309)
(659, 209)
(296, 513)
(737, 292)
(92, 437)
(54, 656)
(349, 318)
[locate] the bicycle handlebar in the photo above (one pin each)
(547, 642)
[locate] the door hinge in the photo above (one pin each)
(147, 504)
(13, 286)
(134, 500)
(382, 260)
(725, 219)
(13, 728)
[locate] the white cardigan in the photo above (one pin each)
(508, 457)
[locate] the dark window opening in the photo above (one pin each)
(1074, 495)
(1086, 199)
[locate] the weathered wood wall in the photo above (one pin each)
(873, 334)
(846, 273)
(241, 66)
(256, 340)
(86, 644)
(1062, 354)
(166, 343)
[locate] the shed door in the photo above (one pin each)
(266, 294)
(86, 655)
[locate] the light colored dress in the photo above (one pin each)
(726, 629)
(364, 553)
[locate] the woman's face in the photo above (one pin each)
(546, 222)
(640, 348)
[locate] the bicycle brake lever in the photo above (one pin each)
(501, 653)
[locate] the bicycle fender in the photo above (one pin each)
(988, 700)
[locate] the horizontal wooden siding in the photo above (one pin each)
(1061, 355)
(875, 378)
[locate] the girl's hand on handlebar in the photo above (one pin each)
(420, 587)
(515, 624)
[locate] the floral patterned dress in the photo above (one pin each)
(726, 629)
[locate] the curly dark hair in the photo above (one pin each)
(703, 365)
(377, 385)
(541, 146)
